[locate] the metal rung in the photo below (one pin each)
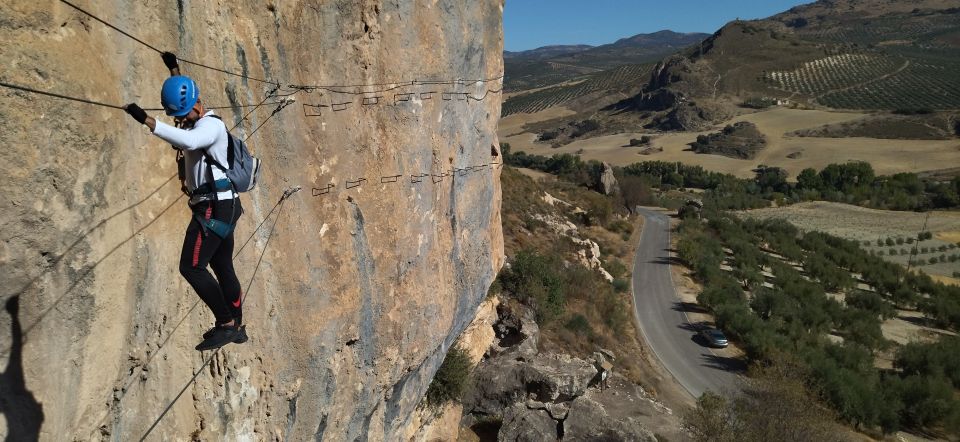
(337, 107)
(397, 98)
(460, 96)
(312, 110)
(369, 101)
(355, 183)
(418, 178)
(317, 192)
(390, 179)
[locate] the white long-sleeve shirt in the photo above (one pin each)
(208, 134)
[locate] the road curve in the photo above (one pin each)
(664, 324)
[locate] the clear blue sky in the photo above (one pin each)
(530, 24)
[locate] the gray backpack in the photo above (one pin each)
(244, 169)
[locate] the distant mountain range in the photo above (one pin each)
(554, 64)
(545, 52)
(893, 55)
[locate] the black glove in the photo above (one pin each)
(170, 60)
(136, 112)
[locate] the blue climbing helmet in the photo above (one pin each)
(178, 95)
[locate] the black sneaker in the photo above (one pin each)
(221, 336)
(241, 337)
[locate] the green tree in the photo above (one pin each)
(535, 280)
(451, 379)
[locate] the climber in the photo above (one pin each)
(213, 201)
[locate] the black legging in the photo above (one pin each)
(223, 294)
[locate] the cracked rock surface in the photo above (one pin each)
(360, 291)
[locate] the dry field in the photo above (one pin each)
(862, 224)
(886, 156)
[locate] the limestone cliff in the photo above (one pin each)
(361, 289)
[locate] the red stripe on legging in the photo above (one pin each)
(196, 247)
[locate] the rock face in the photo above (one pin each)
(364, 282)
(608, 182)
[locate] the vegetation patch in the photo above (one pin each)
(577, 308)
(926, 127)
(790, 315)
(740, 140)
(451, 379)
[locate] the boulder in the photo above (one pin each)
(589, 421)
(502, 382)
(557, 378)
(557, 410)
(516, 332)
(522, 424)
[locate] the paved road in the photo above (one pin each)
(662, 321)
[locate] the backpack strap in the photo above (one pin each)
(209, 158)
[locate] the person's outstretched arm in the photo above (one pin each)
(170, 60)
(202, 136)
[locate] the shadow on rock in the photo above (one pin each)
(23, 413)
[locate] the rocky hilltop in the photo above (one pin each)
(361, 281)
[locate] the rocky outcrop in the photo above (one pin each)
(516, 332)
(357, 292)
(607, 182)
(522, 424)
(554, 378)
(589, 420)
(545, 397)
(443, 424)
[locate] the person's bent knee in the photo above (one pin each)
(189, 271)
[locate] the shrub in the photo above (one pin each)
(451, 379)
(621, 285)
(932, 260)
(535, 281)
(775, 402)
(910, 240)
(893, 252)
(642, 141)
(871, 302)
(583, 127)
(548, 135)
(899, 241)
(620, 226)
(758, 103)
(579, 325)
(889, 241)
